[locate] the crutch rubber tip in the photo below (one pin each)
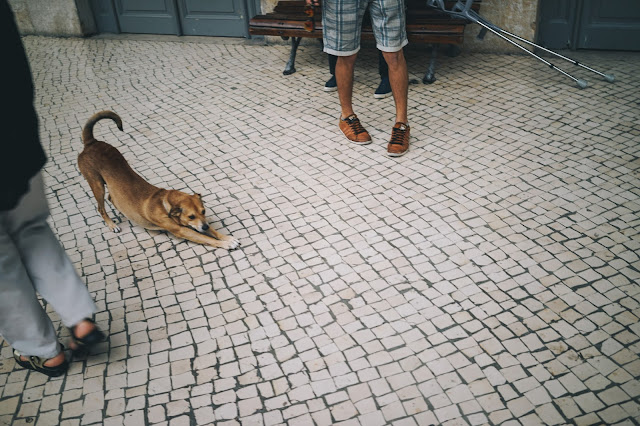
(609, 77)
(581, 83)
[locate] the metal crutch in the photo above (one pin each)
(609, 77)
(464, 11)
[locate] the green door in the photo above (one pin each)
(557, 22)
(610, 24)
(147, 16)
(213, 17)
(590, 24)
(221, 18)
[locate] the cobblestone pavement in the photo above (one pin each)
(489, 276)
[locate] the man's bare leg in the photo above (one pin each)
(344, 79)
(349, 123)
(399, 79)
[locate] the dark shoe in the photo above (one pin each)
(384, 89)
(399, 143)
(354, 131)
(331, 85)
(35, 363)
(85, 343)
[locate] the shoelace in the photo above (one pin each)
(355, 125)
(397, 136)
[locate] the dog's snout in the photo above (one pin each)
(205, 226)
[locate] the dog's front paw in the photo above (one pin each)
(232, 243)
(115, 228)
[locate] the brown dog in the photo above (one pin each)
(148, 206)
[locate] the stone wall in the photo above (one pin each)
(267, 5)
(516, 16)
(71, 18)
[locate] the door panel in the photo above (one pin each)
(213, 17)
(204, 6)
(147, 16)
(557, 21)
(105, 16)
(610, 24)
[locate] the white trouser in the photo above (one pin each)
(32, 259)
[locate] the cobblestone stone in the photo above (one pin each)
(488, 276)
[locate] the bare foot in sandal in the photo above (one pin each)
(51, 362)
(52, 367)
(85, 334)
(83, 328)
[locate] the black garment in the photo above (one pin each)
(383, 68)
(21, 154)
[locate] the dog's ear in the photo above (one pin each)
(175, 212)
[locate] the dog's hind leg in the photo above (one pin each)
(97, 186)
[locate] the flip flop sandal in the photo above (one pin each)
(86, 342)
(36, 363)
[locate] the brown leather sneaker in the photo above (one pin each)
(354, 131)
(399, 143)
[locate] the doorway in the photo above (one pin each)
(219, 18)
(590, 24)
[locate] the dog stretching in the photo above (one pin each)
(147, 205)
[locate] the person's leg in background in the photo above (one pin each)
(32, 260)
(384, 88)
(331, 85)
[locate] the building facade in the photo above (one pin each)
(574, 24)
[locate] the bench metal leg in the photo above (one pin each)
(290, 68)
(430, 75)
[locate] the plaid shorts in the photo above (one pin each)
(342, 25)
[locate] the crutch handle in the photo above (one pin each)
(460, 8)
(438, 4)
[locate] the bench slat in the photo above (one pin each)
(414, 32)
(413, 6)
(424, 25)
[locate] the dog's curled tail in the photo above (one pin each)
(87, 131)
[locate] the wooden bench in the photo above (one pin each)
(424, 25)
